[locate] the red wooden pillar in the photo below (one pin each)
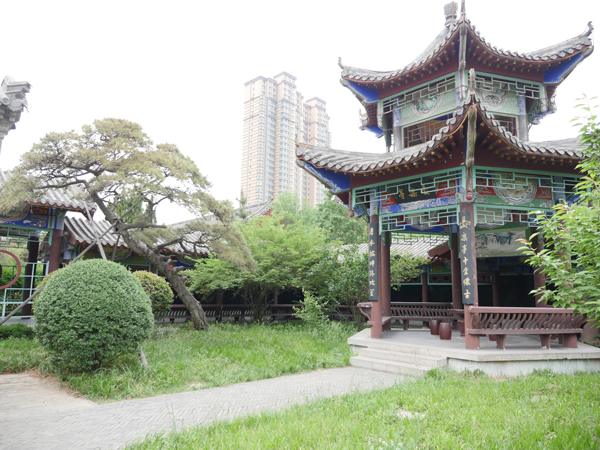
(455, 268)
(424, 287)
(467, 228)
(54, 261)
(376, 310)
(539, 280)
(385, 287)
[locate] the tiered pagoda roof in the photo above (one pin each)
(459, 42)
(490, 131)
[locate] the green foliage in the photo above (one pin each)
(283, 255)
(335, 219)
(137, 213)
(17, 331)
(330, 216)
(181, 359)
(157, 289)
(341, 274)
(47, 278)
(313, 311)
(455, 412)
(90, 313)
(17, 355)
(570, 259)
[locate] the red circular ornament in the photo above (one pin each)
(170, 267)
(18, 269)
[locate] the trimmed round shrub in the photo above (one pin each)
(90, 313)
(158, 290)
(46, 278)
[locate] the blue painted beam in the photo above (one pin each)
(375, 129)
(556, 74)
(336, 182)
(369, 95)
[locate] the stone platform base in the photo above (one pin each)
(414, 352)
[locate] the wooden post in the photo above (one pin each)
(54, 261)
(468, 269)
(376, 311)
(425, 293)
(385, 287)
(455, 268)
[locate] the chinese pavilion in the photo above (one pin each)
(459, 163)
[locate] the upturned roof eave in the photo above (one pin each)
(368, 163)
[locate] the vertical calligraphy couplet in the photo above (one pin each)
(467, 266)
(373, 266)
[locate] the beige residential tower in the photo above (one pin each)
(274, 113)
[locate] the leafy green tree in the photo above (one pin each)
(570, 259)
(341, 275)
(113, 161)
(283, 254)
(241, 211)
(293, 211)
(335, 218)
(330, 215)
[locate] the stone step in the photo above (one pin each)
(409, 358)
(382, 365)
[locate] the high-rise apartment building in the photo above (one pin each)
(274, 113)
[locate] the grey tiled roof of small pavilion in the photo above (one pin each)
(83, 233)
(347, 161)
(560, 50)
(68, 198)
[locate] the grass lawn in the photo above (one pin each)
(182, 359)
(455, 411)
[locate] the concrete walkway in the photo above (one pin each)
(46, 419)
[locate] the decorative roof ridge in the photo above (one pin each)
(561, 50)
(362, 162)
(572, 150)
(351, 73)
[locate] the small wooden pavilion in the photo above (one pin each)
(459, 163)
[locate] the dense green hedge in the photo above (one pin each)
(158, 290)
(16, 330)
(90, 313)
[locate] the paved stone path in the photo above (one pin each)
(71, 423)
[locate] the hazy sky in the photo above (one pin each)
(178, 68)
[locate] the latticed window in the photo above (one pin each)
(420, 133)
(510, 123)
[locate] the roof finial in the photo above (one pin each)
(463, 9)
(450, 10)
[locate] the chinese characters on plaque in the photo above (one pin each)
(468, 285)
(373, 272)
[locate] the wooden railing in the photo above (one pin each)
(219, 312)
(407, 311)
(545, 322)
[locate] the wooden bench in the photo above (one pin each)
(544, 322)
(407, 311)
